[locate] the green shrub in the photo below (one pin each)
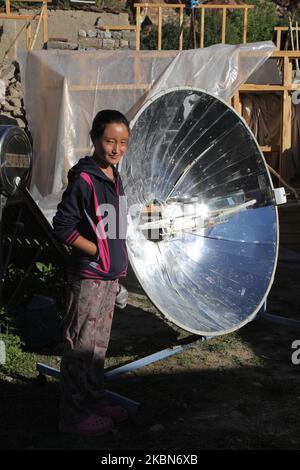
(15, 357)
(170, 36)
(261, 22)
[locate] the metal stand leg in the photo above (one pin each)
(264, 315)
(131, 405)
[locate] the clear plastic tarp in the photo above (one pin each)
(63, 90)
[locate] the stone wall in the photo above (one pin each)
(62, 24)
(95, 39)
(11, 97)
(75, 28)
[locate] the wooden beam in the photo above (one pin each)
(159, 31)
(38, 27)
(278, 39)
(292, 54)
(181, 29)
(202, 27)
(281, 28)
(18, 17)
(237, 104)
(245, 25)
(223, 35)
(138, 27)
(45, 24)
(110, 86)
(269, 148)
(200, 7)
(7, 7)
(253, 87)
(111, 27)
(286, 140)
(28, 35)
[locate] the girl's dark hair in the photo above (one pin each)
(105, 117)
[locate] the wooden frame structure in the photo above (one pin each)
(285, 89)
(181, 7)
(42, 16)
(280, 29)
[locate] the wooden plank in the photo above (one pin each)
(207, 7)
(286, 141)
(270, 148)
(281, 28)
(237, 104)
(111, 27)
(28, 35)
(278, 38)
(159, 31)
(292, 54)
(245, 26)
(181, 29)
(110, 86)
(202, 27)
(18, 17)
(150, 54)
(53, 38)
(45, 24)
(268, 88)
(223, 35)
(138, 28)
(38, 27)
(7, 7)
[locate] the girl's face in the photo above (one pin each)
(111, 146)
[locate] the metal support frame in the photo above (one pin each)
(189, 342)
(111, 374)
(263, 314)
(278, 319)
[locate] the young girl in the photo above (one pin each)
(92, 220)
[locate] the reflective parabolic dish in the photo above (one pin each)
(203, 225)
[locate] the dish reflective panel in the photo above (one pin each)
(203, 226)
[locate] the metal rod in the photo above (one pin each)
(115, 398)
(289, 322)
(145, 361)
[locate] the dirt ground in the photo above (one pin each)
(239, 391)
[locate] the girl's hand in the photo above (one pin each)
(86, 246)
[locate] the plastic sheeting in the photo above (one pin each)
(263, 115)
(63, 90)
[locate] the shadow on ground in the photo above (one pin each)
(240, 391)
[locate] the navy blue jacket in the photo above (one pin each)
(93, 206)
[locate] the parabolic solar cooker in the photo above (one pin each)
(202, 218)
(203, 222)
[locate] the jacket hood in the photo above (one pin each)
(88, 165)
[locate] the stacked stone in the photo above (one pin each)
(96, 39)
(11, 95)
